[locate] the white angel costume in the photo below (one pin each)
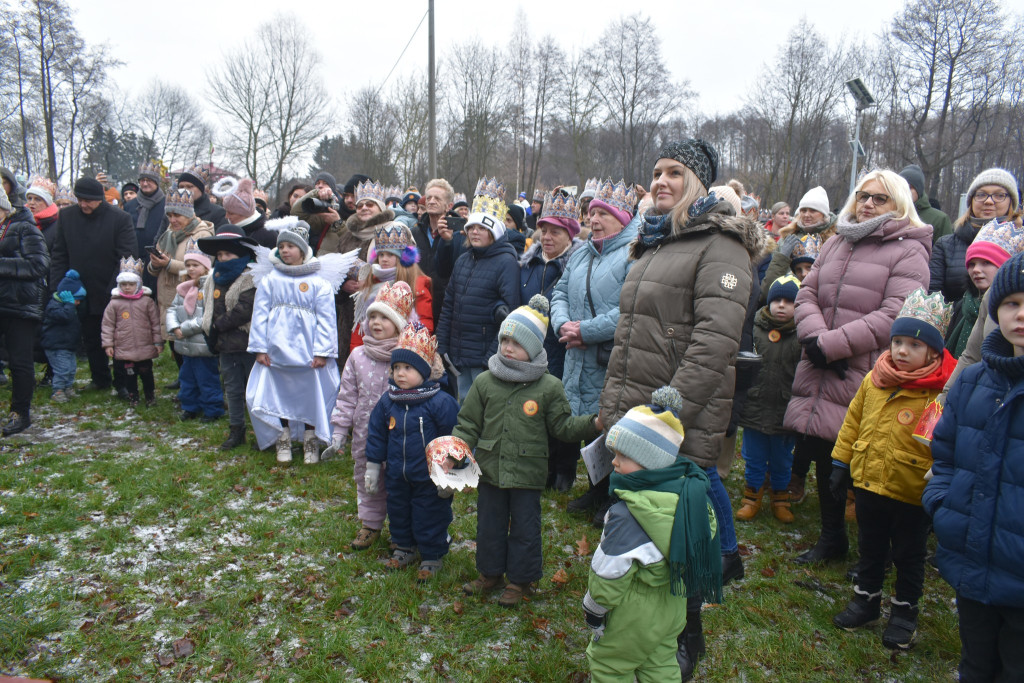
(294, 321)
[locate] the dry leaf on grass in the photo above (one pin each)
(560, 577)
(183, 647)
(583, 546)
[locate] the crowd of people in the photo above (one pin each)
(422, 334)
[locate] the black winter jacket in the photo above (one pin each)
(766, 402)
(210, 212)
(948, 264)
(484, 279)
(24, 265)
(93, 245)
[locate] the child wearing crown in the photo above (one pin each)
(131, 333)
(293, 334)
(200, 391)
(363, 381)
(393, 257)
(508, 416)
(413, 412)
(877, 454)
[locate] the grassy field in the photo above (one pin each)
(132, 549)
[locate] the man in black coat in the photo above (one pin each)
(147, 211)
(93, 237)
(195, 180)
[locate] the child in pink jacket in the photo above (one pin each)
(363, 382)
(130, 334)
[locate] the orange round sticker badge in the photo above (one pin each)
(125, 315)
(303, 287)
(774, 336)
(530, 408)
(905, 416)
(391, 424)
(216, 294)
(200, 297)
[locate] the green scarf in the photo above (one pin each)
(956, 340)
(170, 239)
(694, 555)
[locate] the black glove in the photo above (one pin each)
(595, 622)
(839, 481)
(787, 245)
(500, 313)
(839, 366)
(814, 353)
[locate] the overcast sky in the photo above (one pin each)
(719, 47)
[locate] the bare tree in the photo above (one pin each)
(171, 120)
(578, 108)
(374, 129)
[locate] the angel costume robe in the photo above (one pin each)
(293, 321)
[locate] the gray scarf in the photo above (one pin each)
(517, 371)
(308, 268)
(146, 204)
(854, 232)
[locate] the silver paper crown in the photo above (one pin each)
(131, 265)
(370, 190)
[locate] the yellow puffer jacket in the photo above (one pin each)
(875, 441)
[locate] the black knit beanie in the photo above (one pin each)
(695, 154)
(1009, 280)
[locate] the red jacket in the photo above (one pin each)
(423, 308)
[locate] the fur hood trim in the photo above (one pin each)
(719, 219)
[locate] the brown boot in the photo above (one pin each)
(797, 492)
(751, 504)
(851, 506)
(483, 584)
(780, 507)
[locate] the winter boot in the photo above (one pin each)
(833, 544)
(16, 423)
(690, 643)
(781, 508)
(591, 500)
(284, 446)
(310, 448)
(899, 634)
(751, 504)
(236, 437)
(863, 610)
(797, 490)
(732, 567)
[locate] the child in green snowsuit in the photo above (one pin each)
(659, 543)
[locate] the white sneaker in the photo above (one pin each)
(284, 447)
(310, 448)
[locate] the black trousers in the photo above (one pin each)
(508, 533)
(884, 524)
(562, 457)
(99, 368)
(810, 449)
(991, 641)
(127, 373)
(19, 340)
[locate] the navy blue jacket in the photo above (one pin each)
(399, 433)
(483, 280)
(538, 276)
(62, 328)
(976, 498)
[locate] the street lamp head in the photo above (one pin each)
(860, 93)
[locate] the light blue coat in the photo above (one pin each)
(583, 377)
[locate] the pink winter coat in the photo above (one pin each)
(363, 381)
(132, 327)
(849, 301)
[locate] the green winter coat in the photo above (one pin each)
(767, 399)
(630, 584)
(941, 225)
(509, 424)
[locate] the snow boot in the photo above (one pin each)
(751, 504)
(899, 633)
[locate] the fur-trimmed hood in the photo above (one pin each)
(722, 219)
(534, 251)
(360, 228)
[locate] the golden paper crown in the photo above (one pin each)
(930, 309)
(397, 296)
(490, 199)
(416, 337)
(393, 192)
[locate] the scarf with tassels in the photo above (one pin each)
(956, 340)
(694, 555)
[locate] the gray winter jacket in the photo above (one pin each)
(194, 341)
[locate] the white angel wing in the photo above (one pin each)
(335, 267)
(262, 266)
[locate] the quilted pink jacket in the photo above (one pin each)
(849, 301)
(363, 382)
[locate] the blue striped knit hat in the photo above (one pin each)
(650, 435)
(528, 325)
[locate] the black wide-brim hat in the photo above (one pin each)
(228, 241)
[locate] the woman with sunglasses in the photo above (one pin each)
(992, 195)
(844, 312)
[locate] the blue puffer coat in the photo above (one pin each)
(976, 498)
(582, 376)
(538, 276)
(62, 328)
(483, 280)
(399, 433)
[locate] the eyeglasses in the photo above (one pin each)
(876, 199)
(982, 197)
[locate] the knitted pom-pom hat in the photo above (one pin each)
(650, 435)
(528, 325)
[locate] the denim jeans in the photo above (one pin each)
(763, 452)
(466, 380)
(234, 371)
(64, 364)
(723, 511)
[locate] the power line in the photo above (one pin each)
(403, 53)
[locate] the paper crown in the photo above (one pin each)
(131, 265)
(590, 188)
(460, 198)
(617, 195)
(490, 199)
(64, 194)
(397, 296)
(539, 196)
(557, 205)
(193, 251)
(808, 249)
(151, 169)
(929, 309)
(370, 190)
(179, 199)
(44, 183)
(1006, 235)
(199, 173)
(393, 193)
(416, 337)
(395, 238)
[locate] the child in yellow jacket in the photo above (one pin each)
(877, 454)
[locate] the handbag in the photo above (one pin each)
(604, 349)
